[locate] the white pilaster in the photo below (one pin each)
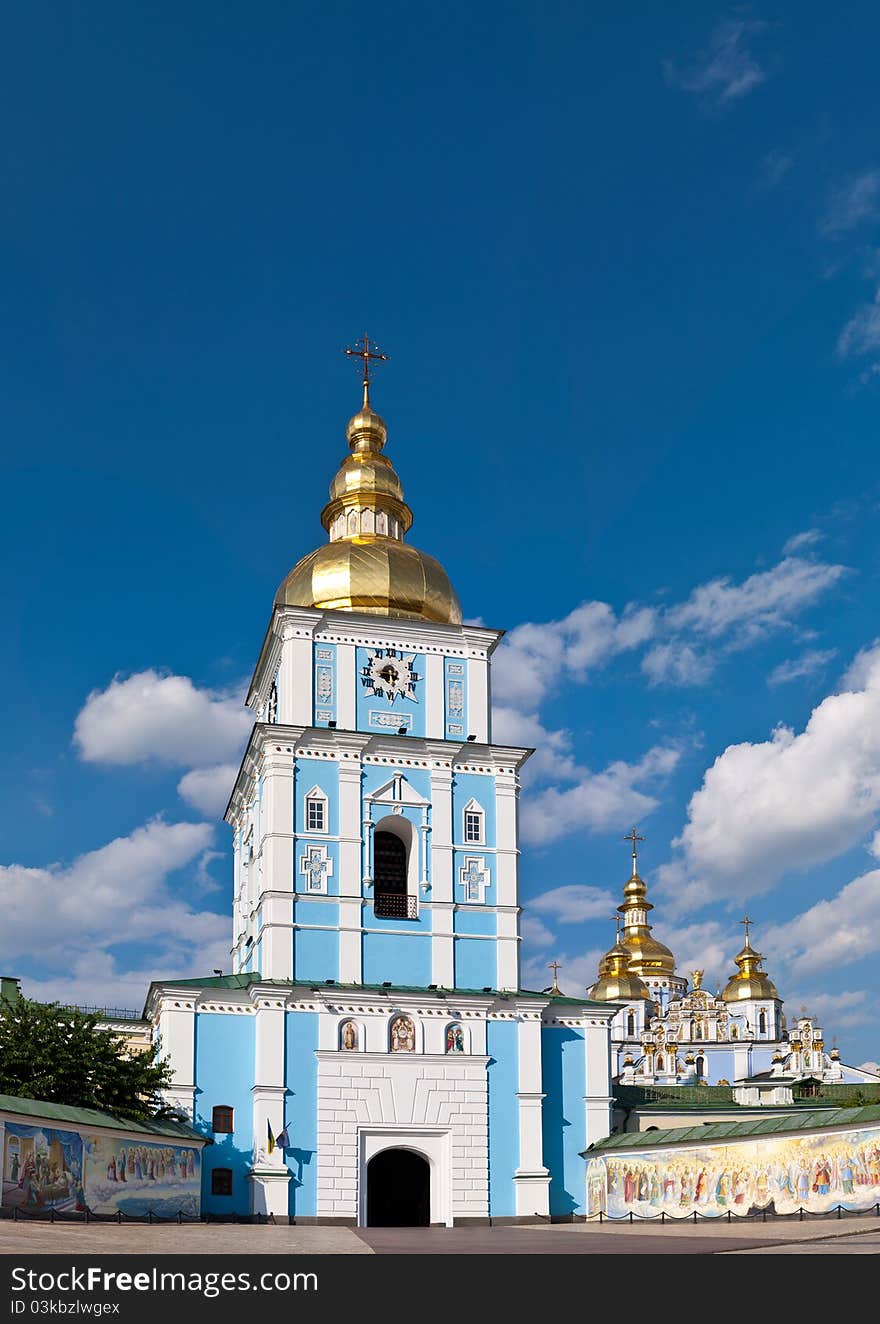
(269, 1176)
(295, 677)
(435, 699)
(598, 1101)
(478, 699)
(177, 1035)
(346, 687)
(350, 872)
(531, 1179)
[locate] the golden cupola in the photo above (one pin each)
(647, 956)
(366, 566)
(617, 982)
(750, 981)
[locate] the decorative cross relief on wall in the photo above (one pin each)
(474, 878)
(317, 867)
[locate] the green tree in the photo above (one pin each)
(61, 1055)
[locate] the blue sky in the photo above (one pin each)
(627, 266)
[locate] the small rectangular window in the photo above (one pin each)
(221, 1120)
(221, 1181)
(473, 826)
(315, 815)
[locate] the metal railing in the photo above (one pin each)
(395, 905)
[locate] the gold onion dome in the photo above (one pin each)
(647, 955)
(366, 566)
(616, 982)
(750, 981)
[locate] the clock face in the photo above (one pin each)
(390, 675)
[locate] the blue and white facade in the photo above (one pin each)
(375, 1002)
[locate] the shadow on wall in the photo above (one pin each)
(232, 1165)
(555, 1123)
(297, 1160)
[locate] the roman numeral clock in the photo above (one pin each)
(390, 675)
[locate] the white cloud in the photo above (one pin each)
(677, 663)
(796, 668)
(208, 789)
(834, 932)
(765, 601)
(534, 933)
(162, 718)
(871, 1066)
(798, 541)
(532, 659)
(837, 1010)
(574, 903)
(577, 971)
(728, 70)
(68, 918)
(598, 800)
(785, 803)
(851, 203)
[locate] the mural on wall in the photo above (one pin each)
(42, 1168)
(137, 1178)
(785, 1173)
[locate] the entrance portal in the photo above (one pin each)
(398, 1189)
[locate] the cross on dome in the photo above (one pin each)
(362, 351)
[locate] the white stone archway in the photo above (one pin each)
(429, 1143)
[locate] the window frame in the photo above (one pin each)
(316, 798)
(223, 1175)
(473, 809)
(219, 1113)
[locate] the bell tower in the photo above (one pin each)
(374, 821)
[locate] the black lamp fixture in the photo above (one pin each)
(487, 990)
(332, 724)
(218, 972)
(401, 730)
(329, 981)
(432, 986)
(472, 738)
(386, 983)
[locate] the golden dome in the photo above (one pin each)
(616, 982)
(750, 981)
(366, 566)
(647, 955)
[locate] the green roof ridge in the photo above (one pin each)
(815, 1120)
(63, 1112)
(253, 977)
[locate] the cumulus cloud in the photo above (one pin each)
(598, 800)
(851, 203)
(725, 72)
(67, 919)
(788, 802)
(834, 932)
(573, 903)
(841, 1010)
(208, 789)
(811, 663)
(761, 603)
(774, 167)
(162, 718)
(577, 971)
(533, 658)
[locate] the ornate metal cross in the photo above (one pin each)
(362, 351)
(555, 967)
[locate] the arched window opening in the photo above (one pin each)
(661, 1065)
(630, 1025)
(222, 1120)
(701, 1067)
(762, 1022)
(390, 900)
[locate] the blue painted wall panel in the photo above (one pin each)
(402, 959)
(316, 952)
(301, 1112)
(503, 1117)
(564, 1122)
(224, 1075)
(476, 963)
(476, 921)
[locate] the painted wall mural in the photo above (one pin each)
(780, 1174)
(44, 1169)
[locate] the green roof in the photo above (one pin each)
(817, 1119)
(246, 980)
(61, 1112)
(678, 1096)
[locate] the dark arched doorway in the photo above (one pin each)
(389, 876)
(398, 1189)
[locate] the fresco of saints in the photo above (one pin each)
(454, 1039)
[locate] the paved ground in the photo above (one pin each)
(853, 1236)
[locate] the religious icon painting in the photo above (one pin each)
(349, 1036)
(454, 1039)
(403, 1035)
